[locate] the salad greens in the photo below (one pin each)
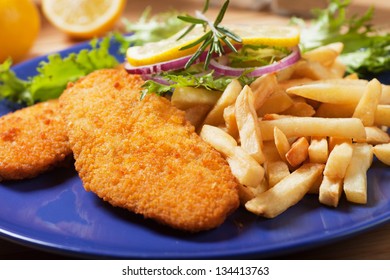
(150, 28)
(366, 49)
(53, 75)
(256, 56)
(187, 79)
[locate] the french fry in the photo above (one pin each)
(265, 128)
(338, 161)
(244, 167)
(338, 69)
(230, 121)
(228, 97)
(318, 150)
(219, 139)
(281, 143)
(298, 152)
(352, 76)
(382, 152)
(300, 109)
(382, 115)
(293, 82)
(245, 194)
(196, 114)
(276, 103)
(270, 151)
(315, 188)
(333, 91)
(286, 193)
(260, 188)
(313, 126)
(334, 141)
(337, 91)
(385, 98)
(355, 180)
(285, 73)
(366, 108)
(187, 97)
(276, 171)
(271, 117)
(326, 55)
(376, 136)
(330, 191)
(247, 123)
(262, 88)
(313, 70)
(328, 110)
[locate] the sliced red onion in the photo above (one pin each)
(156, 78)
(223, 70)
(169, 65)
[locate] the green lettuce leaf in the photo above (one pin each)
(366, 49)
(54, 74)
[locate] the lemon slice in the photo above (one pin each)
(83, 18)
(163, 50)
(169, 49)
(271, 35)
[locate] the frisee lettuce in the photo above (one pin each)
(186, 79)
(256, 56)
(54, 74)
(150, 28)
(366, 49)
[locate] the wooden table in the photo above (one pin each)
(372, 244)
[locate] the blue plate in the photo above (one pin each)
(53, 212)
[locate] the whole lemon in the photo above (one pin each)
(19, 28)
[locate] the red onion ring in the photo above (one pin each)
(169, 65)
(156, 78)
(223, 70)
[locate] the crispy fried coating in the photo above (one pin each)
(32, 140)
(143, 155)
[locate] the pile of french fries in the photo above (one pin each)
(306, 129)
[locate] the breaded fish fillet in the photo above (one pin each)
(143, 155)
(32, 140)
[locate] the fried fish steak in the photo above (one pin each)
(143, 155)
(32, 141)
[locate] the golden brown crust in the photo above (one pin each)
(32, 140)
(143, 155)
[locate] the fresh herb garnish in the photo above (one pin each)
(213, 39)
(54, 74)
(366, 49)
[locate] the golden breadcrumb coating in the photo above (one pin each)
(32, 140)
(143, 155)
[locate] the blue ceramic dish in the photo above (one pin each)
(54, 213)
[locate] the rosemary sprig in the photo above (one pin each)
(213, 38)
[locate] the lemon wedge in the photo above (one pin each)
(83, 18)
(169, 49)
